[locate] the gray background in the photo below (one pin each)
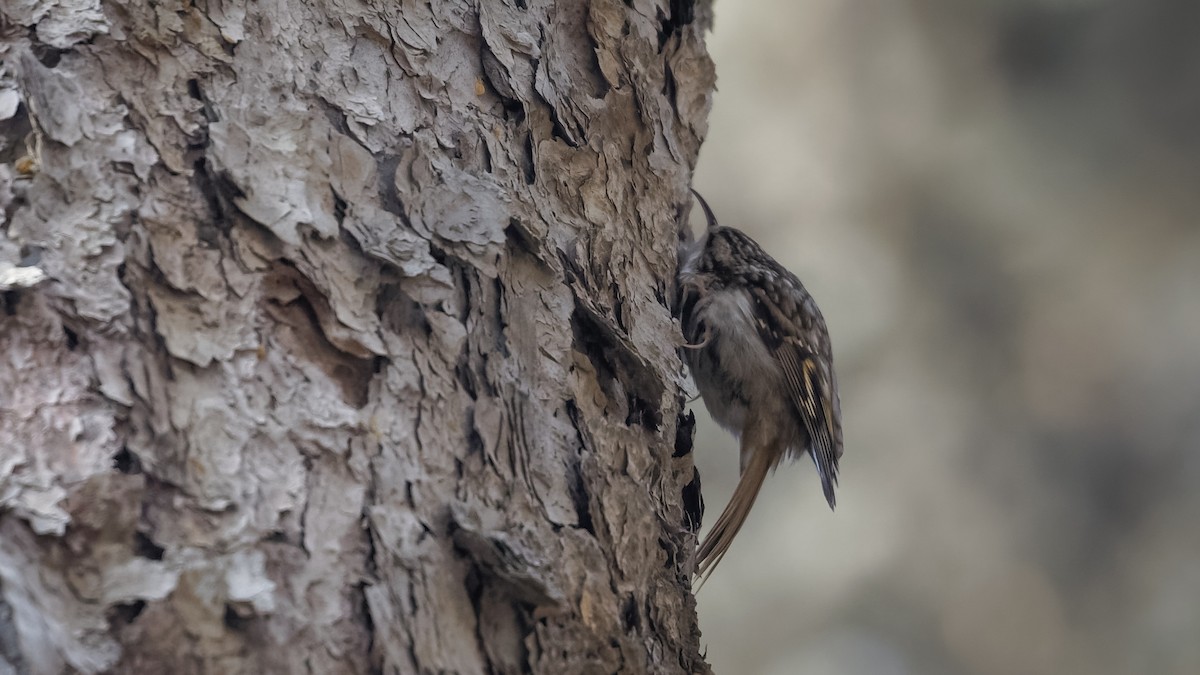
(995, 205)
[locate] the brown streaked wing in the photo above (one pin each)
(805, 386)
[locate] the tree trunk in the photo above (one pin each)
(336, 337)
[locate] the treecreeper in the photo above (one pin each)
(759, 352)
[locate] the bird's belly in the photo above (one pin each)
(734, 371)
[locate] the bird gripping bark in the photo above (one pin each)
(759, 352)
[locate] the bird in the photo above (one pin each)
(759, 352)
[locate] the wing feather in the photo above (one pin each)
(810, 390)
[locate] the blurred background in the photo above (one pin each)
(996, 205)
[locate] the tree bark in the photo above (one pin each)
(336, 337)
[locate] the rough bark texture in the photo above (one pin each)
(354, 350)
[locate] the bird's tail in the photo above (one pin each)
(717, 543)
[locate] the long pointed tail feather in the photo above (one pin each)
(717, 543)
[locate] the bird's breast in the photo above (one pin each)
(734, 370)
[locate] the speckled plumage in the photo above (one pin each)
(759, 352)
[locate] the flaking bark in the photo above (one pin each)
(354, 350)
